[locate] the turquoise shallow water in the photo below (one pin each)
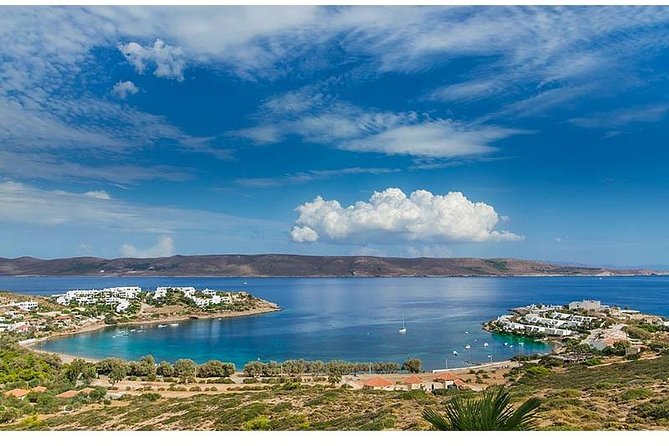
(352, 319)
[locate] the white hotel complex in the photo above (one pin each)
(120, 297)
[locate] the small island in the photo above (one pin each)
(30, 319)
(581, 329)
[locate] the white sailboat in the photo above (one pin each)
(403, 330)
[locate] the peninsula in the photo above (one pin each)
(583, 330)
(31, 319)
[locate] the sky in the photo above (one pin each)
(527, 132)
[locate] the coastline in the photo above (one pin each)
(33, 344)
(554, 344)
(347, 276)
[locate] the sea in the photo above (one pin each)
(353, 319)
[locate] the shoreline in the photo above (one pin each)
(412, 276)
(33, 344)
(554, 344)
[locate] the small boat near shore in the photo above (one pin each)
(174, 325)
(162, 325)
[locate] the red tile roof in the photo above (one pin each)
(68, 394)
(87, 390)
(377, 381)
(445, 376)
(17, 393)
(413, 379)
(38, 389)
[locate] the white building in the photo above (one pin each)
(18, 326)
(108, 296)
(510, 325)
(25, 306)
(161, 291)
(588, 305)
(122, 306)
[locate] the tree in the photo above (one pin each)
(146, 366)
(253, 369)
(412, 365)
(118, 371)
(334, 378)
(215, 368)
(185, 370)
(619, 348)
(165, 369)
(491, 412)
(79, 369)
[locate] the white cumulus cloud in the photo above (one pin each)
(303, 234)
(164, 247)
(125, 89)
(391, 215)
(99, 194)
(168, 60)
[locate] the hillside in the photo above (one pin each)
(285, 265)
(624, 395)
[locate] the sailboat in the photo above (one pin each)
(403, 330)
(485, 344)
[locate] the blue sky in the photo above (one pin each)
(536, 133)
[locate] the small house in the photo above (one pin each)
(17, 393)
(447, 378)
(413, 382)
(378, 383)
(68, 394)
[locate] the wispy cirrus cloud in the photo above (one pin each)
(48, 167)
(310, 176)
(29, 205)
(323, 119)
(623, 117)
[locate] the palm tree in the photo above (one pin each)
(491, 412)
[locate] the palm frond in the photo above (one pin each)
(491, 411)
(437, 421)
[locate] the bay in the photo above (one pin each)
(354, 319)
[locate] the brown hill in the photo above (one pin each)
(285, 265)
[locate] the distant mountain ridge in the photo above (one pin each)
(289, 265)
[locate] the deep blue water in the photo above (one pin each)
(354, 319)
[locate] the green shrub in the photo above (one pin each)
(592, 361)
(291, 386)
(537, 371)
(654, 409)
(151, 396)
(636, 394)
(259, 423)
